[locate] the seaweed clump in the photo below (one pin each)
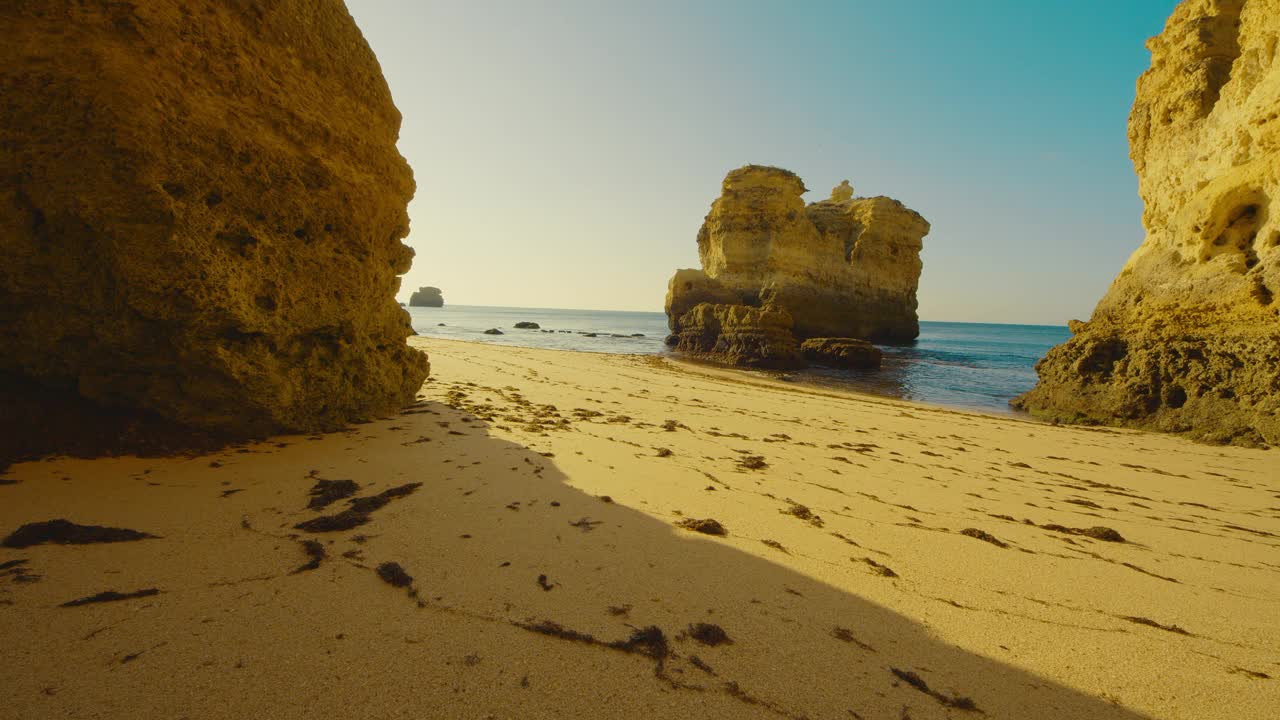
(65, 532)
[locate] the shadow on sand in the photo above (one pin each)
(526, 598)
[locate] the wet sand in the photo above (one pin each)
(572, 535)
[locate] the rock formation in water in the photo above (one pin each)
(1188, 336)
(842, 267)
(845, 267)
(738, 335)
(426, 297)
(874, 295)
(842, 352)
(201, 208)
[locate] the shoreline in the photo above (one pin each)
(879, 557)
(773, 378)
(834, 387)
(951, 364)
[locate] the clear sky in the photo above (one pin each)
(566, 152)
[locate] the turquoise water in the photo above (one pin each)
(969, 365)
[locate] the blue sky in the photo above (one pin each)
(566, 152)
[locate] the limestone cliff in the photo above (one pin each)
(201, 208)
(426, 297)
(1188, 336)
(690, 288)
(843, 267)
(879, 240)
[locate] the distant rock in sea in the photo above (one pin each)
(1187, 339)
(494, 331)
(202, 214)
(843, 267)
(426, 297)
(527, 325)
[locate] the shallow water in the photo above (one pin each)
(969, 365)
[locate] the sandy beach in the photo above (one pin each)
(546, 551)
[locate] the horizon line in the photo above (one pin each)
(662, 312)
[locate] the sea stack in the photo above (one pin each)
(426, 297)
(202, 211)
(1187, 339)
(844, 267)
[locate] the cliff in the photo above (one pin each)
(1187, 338)
(201, 208)
(426, 297)
(842, 267)
(874, 295)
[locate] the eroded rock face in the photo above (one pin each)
(738, 335)
(689, 288)
(842, 352)
(1188, 336)
(841, 267)
(201, 207)
(874, 296)
(426, 297)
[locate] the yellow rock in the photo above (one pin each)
(842, 267)
(842, 192)
(739, 335)
(1188, 336)
(201, 207)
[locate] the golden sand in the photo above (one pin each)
(881, 560)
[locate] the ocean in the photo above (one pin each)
(966, 365)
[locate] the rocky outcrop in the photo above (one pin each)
(690, 288)
(426, 297)
(842, 353)
(738, 335)
(874, 296)
(201, 207)
(844, 266)
(1188, 336)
